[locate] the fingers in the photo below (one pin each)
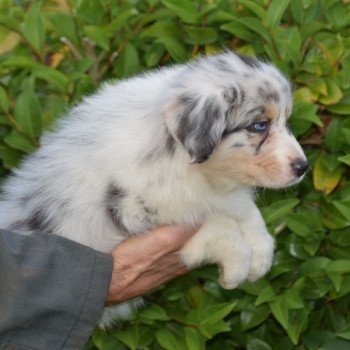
(143, 262)
(171, 237)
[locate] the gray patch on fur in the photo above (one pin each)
(268, 95)
(258, 147)
(38, 221)
(185, 126)
(231, 95)
(196, 126)
(170, 145)
(150, 211)
(18, 226)
(238, 145)
(221, 64)
(114, 197)
(249, 61)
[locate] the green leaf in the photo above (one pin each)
(343, 207)
(238, 29)
(162, 29)
(253, 317)
(297, 321)
(129, 336)
(279, 309)
(319, 86)
(194, 339)
(4, 100)
(306, 111)
(314, 266)
(345, 159)
(10, 157)
(333, 135)
(292, 320)
(345, 333)
(323, 179)
(51, 75)
(215, 313)
(185, 9)
(336, 344)
(97, 35)
(175, 48)
(19, 142)
(288, 43)
(268, 294)
(168, 340)
(256, 26)
(210, 331)
(91, 11)
(154, 312)
(128, 61)
(340, 108)
(200, 35)
(256, 9)
(64, 25)
(331, 217)
(28, 113)
(334, 93)
(341, 266)
(10, 22)
(33, 26)
(105, 341)
(154, 54)
(276, 11)
(337, 16)
(278, 209)
(258, 344)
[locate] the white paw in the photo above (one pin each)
(262, 255)
(231, 254)
(230, 277)
(235, 268)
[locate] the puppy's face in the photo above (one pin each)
(261, 151)
(235, 126)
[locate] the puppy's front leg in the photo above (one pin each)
(241, 207)
(220, 241)
(260, 242)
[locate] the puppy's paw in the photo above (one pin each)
(262, 255)
(235, 269)
(220, 242)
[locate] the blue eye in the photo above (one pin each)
(259, 127)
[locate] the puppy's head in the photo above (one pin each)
(230, 113)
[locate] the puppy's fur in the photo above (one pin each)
(181, 145)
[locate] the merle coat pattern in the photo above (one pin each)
(181, 145)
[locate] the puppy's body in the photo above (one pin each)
(176, 146)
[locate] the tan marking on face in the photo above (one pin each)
(244, 166)
(271, 111)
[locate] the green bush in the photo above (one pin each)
(54, 52)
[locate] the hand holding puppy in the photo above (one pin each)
(144, 262)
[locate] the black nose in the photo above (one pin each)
(299, 167)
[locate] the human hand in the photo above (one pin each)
(145, 261)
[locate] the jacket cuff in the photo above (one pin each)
(94, 301)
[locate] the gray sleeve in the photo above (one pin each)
(52, 291)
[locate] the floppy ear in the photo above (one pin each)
(197, 123)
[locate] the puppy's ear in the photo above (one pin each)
(197, 123)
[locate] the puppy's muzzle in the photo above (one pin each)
(299, 167)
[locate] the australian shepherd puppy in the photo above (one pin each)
(181, 145)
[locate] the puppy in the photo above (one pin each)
(181, 145)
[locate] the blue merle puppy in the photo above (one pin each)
(180, 145)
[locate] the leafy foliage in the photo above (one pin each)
(54, 52)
